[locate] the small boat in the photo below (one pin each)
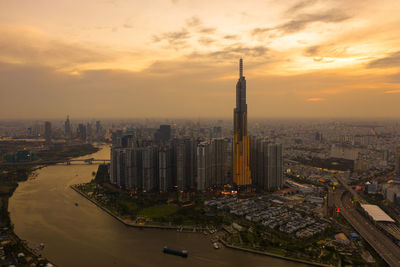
(205, 233)
(182, 253)
(215, 245)
(40, 247)
(76, 204)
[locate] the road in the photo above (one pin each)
(382, 244)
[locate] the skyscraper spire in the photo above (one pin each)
(241, 68)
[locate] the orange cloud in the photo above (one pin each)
(395, 91)
(315, 99)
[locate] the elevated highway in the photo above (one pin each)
(382, 244)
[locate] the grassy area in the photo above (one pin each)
(128, 207)
(66, 152)
(159, 211)
(5, 189)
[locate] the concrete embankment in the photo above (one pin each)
(131, 224)
(272, 255)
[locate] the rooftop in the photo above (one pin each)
(376, 213)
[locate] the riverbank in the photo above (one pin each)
(271, 255)
(190, 229)
(14, 250)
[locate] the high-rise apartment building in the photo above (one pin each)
(202, 158)
(241, 144)
(213, 163)
(266, 164)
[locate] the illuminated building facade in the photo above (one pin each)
(241, 143)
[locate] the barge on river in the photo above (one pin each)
(182, 253)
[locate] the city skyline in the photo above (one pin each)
(106, 59)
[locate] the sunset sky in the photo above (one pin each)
(179, 58)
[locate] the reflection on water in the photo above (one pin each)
(43, 210)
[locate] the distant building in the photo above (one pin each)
(318, 136)
(82, 132)
(217, 132)
(67, 128)
(397, 161)
(89, 132)
(344, 152)
(361, 165)
(372, 188)
(163, 134)
(47, 131)
(98, 128)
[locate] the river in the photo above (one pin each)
(43, 210)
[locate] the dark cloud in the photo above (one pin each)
(193, 21)
(300, 6)
(205, 41)
(237, 51)
(175, 39)
(390, 61)
(231, 37)
(326, 50)
(209, 30)
(30, 48)
(127, 26)
(312, 50)
(302, 21)
(295, 25)
(260, 31)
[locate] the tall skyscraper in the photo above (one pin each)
(241, 143)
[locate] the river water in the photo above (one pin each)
(43, 210)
